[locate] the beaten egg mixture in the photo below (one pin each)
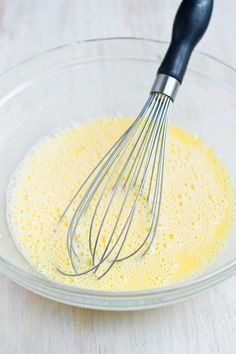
(196, 213)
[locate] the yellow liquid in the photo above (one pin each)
(196, 214)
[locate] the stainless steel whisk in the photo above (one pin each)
(133, 168)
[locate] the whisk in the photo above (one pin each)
(128, 181)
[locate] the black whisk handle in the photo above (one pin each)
(190, 24)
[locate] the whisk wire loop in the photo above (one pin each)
(135, 160)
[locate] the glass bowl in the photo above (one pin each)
(104, 77)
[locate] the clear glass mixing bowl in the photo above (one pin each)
(104, 77)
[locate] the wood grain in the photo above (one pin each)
(31, 324)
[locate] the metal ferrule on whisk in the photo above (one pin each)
(166, 84)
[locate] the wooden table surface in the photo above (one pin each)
(29, 324)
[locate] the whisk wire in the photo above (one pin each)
(144, 142)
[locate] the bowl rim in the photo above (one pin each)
(12, 271)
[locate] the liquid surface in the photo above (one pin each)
(195, 220)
